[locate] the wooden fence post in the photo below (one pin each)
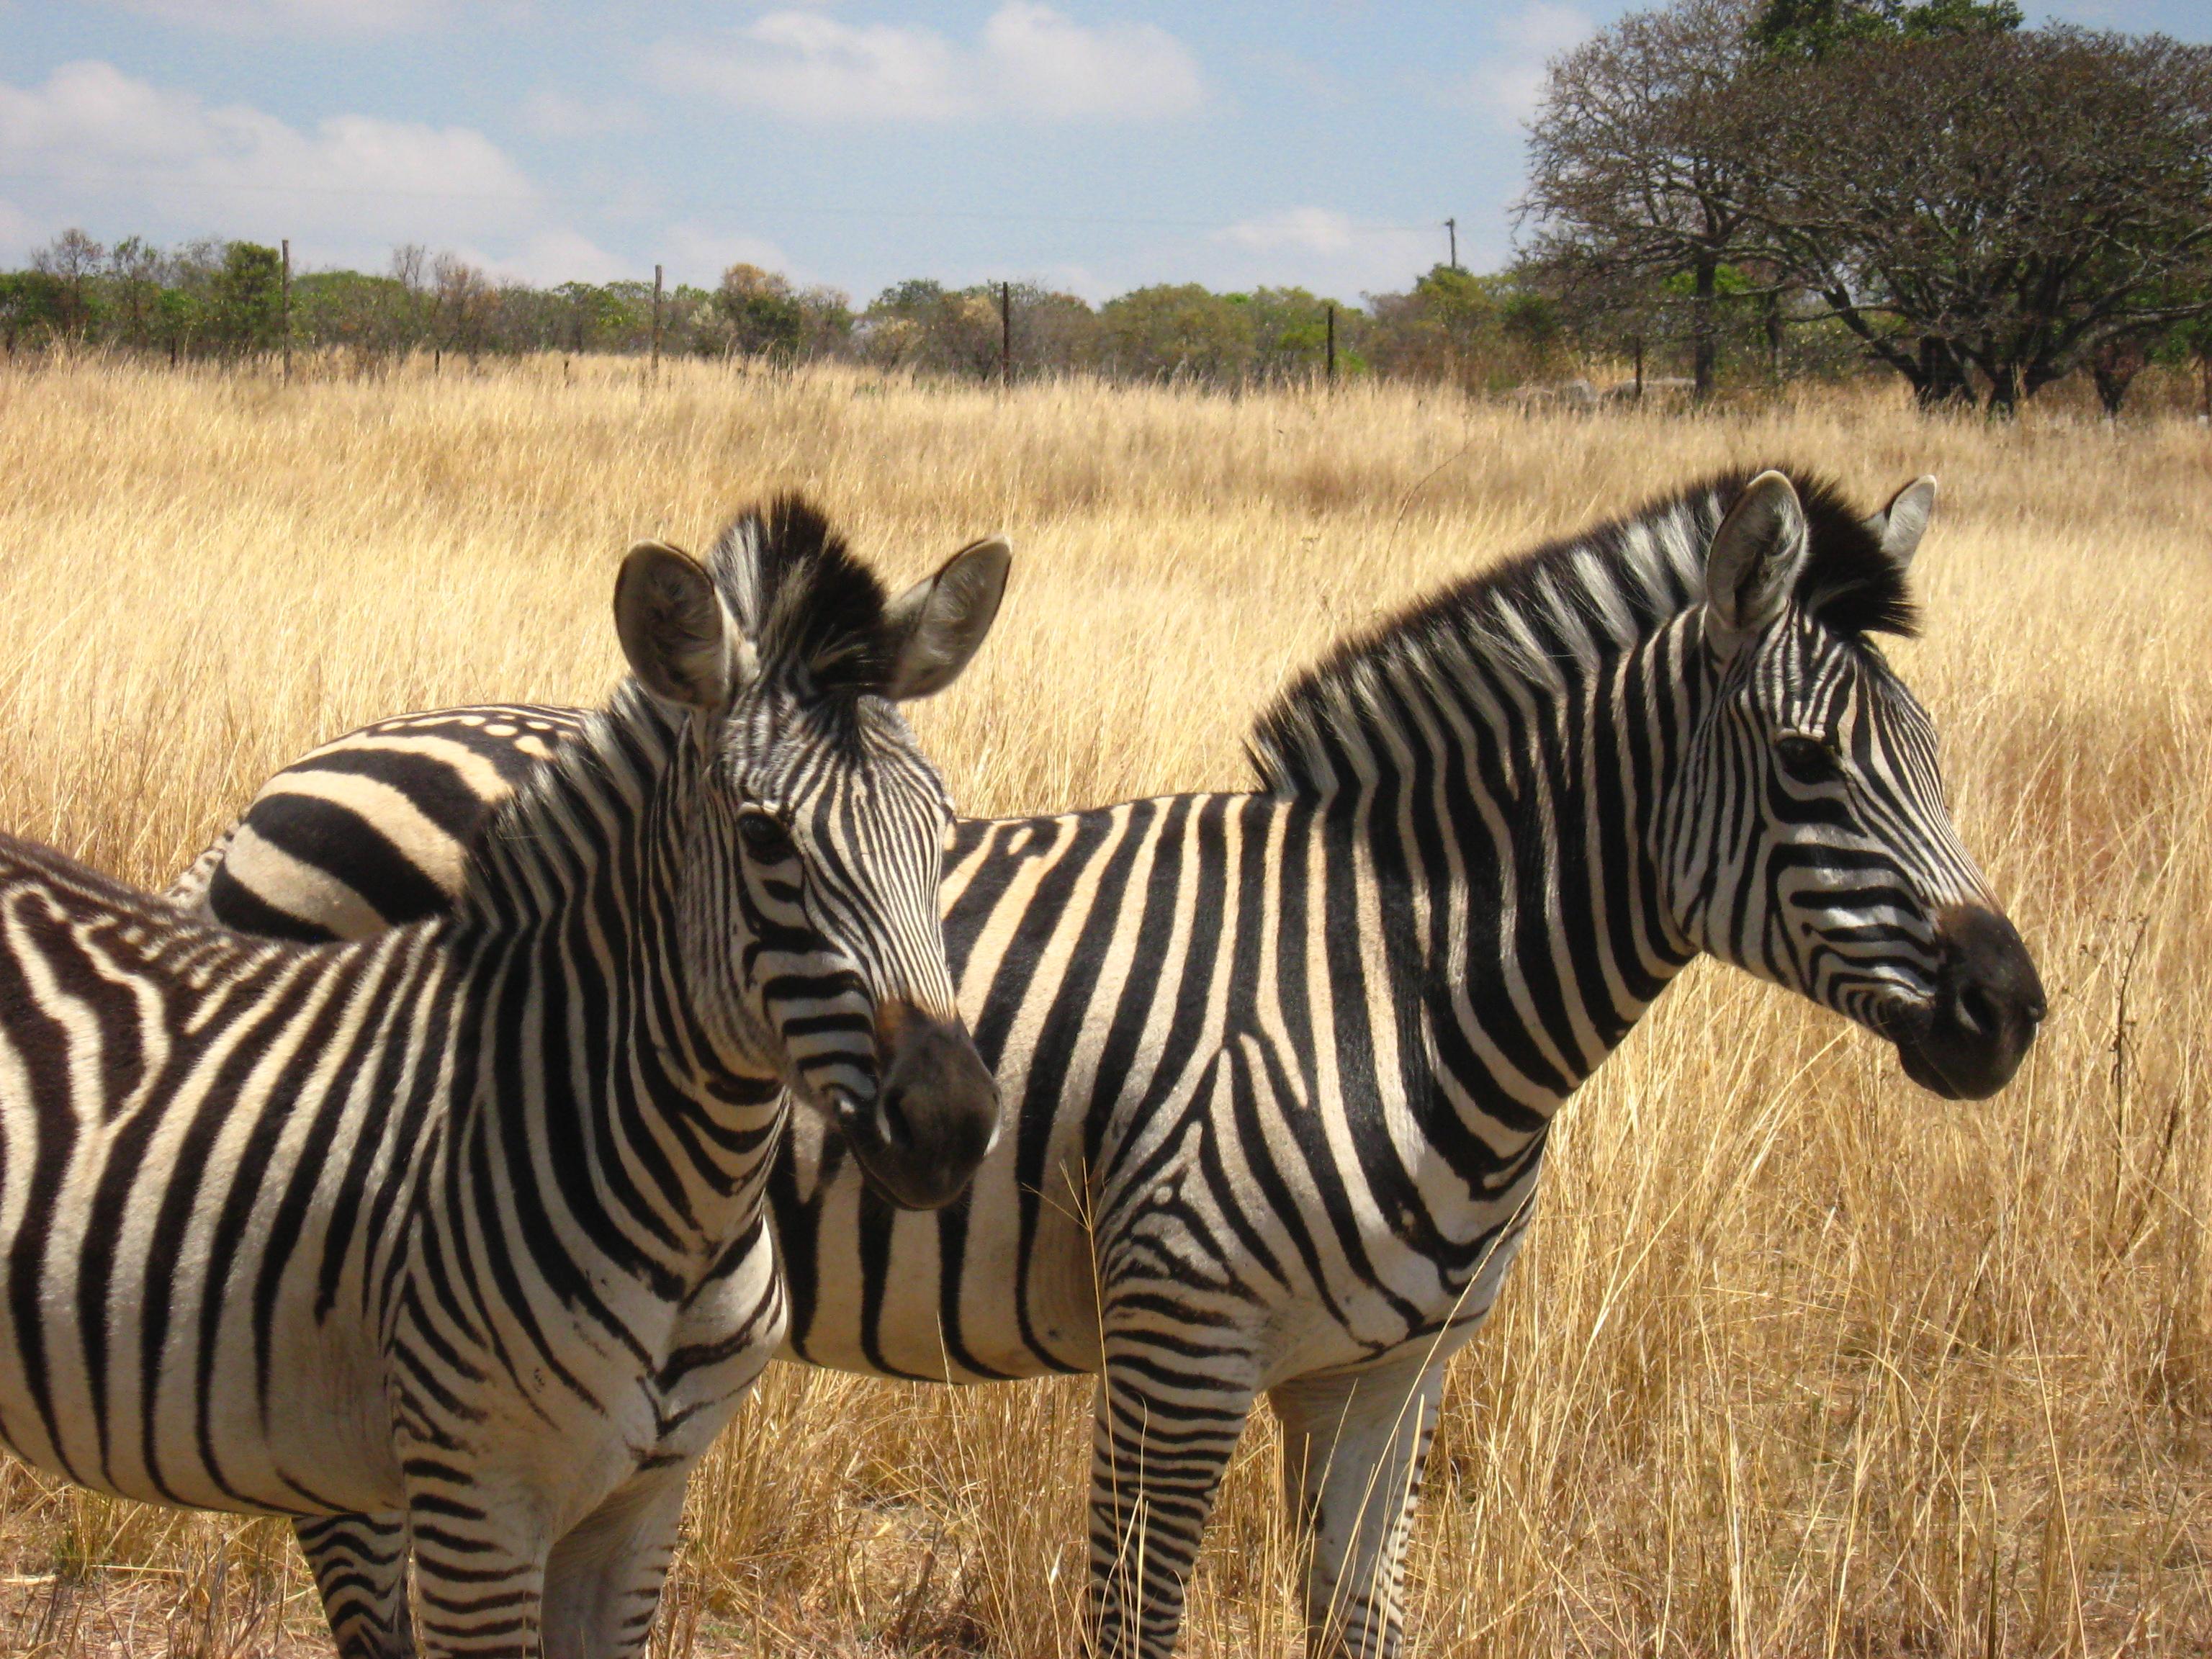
(1332, 343)
(284, 310)
(656, 322)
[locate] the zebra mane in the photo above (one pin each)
(814, 614)
(1566, 605)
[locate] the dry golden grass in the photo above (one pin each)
(1801, 1361)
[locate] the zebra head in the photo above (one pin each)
(1813, 845)
(813, 936)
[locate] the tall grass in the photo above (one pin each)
(1799, 1361)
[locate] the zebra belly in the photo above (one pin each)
(209, 1418)
(155, 1342)
(943, 1296)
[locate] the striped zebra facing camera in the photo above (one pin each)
(450, 1244)
(1282, 1064)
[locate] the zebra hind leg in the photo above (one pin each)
(360, 1566)
(1164, 1434)
(1352, 1452)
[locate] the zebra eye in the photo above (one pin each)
(764, 835)
(1807, 760)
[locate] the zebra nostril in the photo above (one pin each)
(1977, 1013)
(891, 1119)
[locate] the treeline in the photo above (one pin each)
(214, 300)
(1487, 333)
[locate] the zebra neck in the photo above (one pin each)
(567, 922)
(1516, 828)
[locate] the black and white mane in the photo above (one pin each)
(1579, 600)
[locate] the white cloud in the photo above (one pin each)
(805, 64)
(1509, 88)
(1544, 30)
(550, 114)
(1311, 229)
(699, 253)
(96, 142)
(1315, 247)
(1030, 60)
(1050, 66)
(291, 16)
(552, 257)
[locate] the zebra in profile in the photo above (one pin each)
(1281, 1066)
(452, 1242)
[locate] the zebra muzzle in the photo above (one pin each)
(1969, 1039)
(935, 1113)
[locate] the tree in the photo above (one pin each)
(1175, 330)
(1814, 29)
(248, 309)
(133, 282)
(920, 323)
(462, 304)
(30, 306)
(1635, 165)
(586, 316)
(2114, 362)
(2003, 203)
(1290, 332)
(73, 260)
(2188, 344)
(410, 268)
(369, 316)
(1482, 332)
(765, 316)
(1053, 332)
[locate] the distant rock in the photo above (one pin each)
(1675, 388)
(1576, 394)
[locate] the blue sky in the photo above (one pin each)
(850, 141)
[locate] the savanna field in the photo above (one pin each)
(1799, 1360)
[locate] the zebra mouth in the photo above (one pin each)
(933, 1117)
(893, 1153)
(1967, 1038)
(1927, 1069)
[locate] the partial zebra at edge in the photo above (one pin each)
(450, 1244)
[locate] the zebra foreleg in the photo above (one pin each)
(1165, 1430)
(479, 1574)
(360, 1566)
(603, 1581)
(1354, 1447)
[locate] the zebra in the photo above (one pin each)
(1281, 1066)
(451, 1242)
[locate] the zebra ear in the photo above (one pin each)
(1753, 561)
(681, 641)
(941, 620)
(1905, 521)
